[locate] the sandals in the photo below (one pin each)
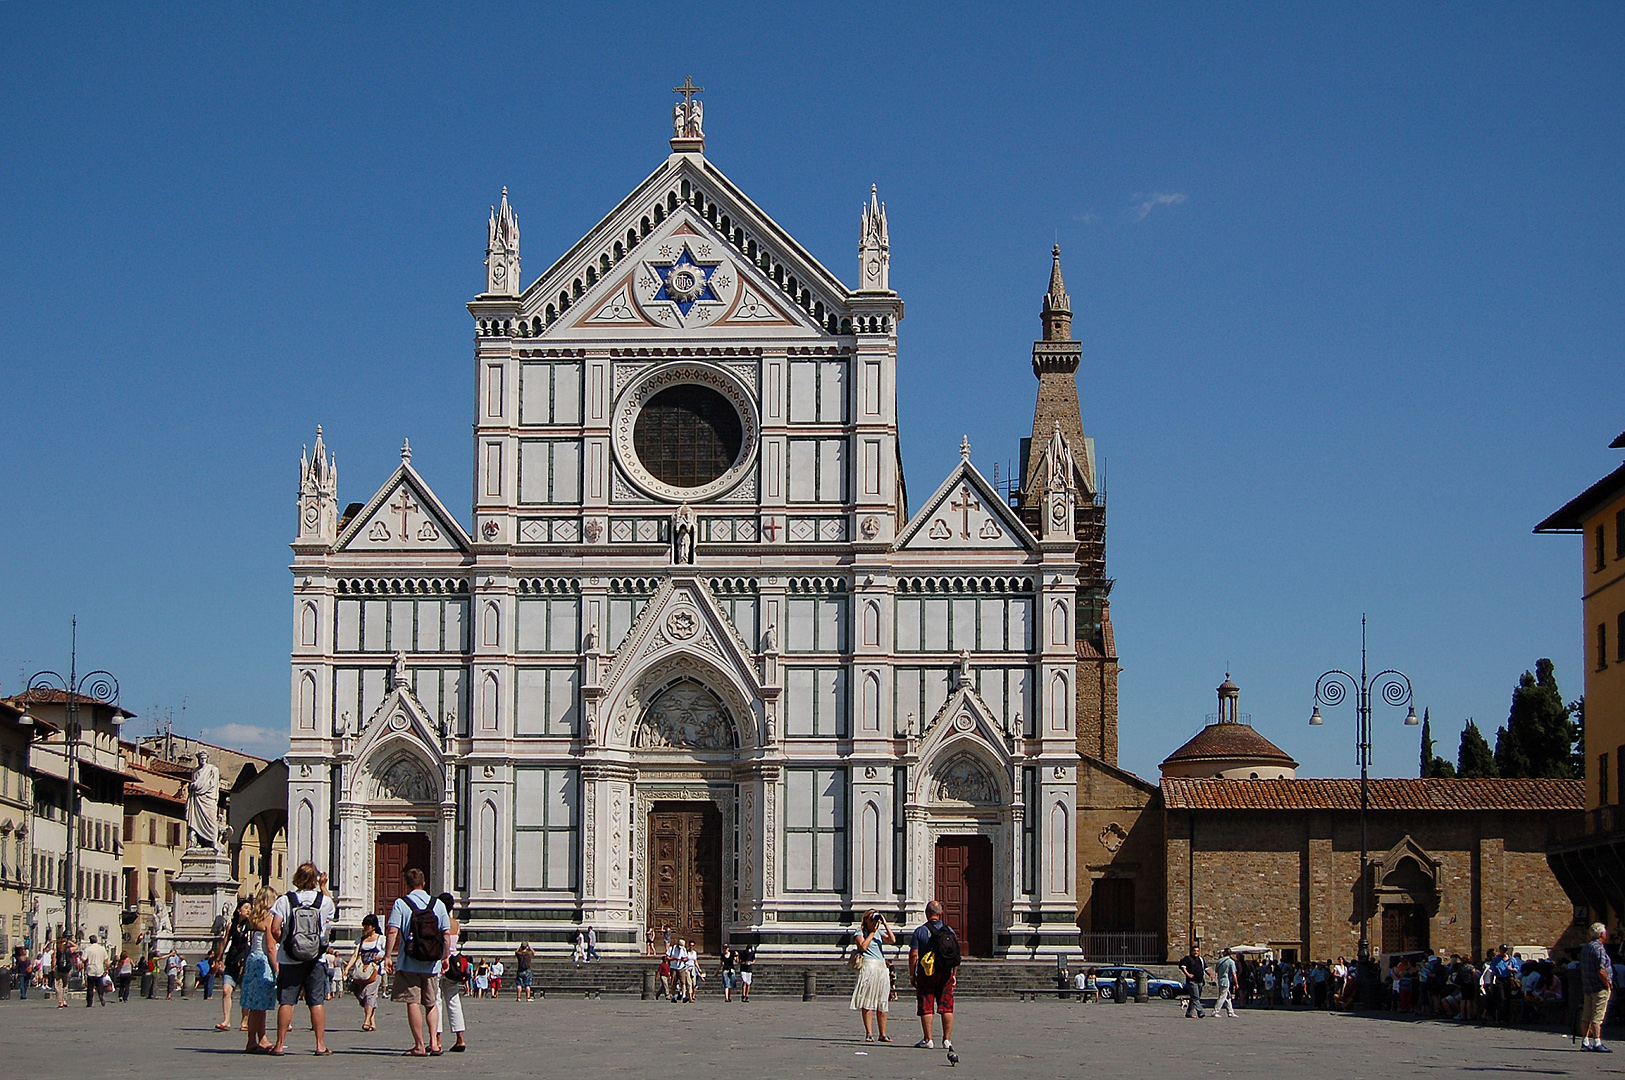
(885, 1038)
(868, 1038)
(222, 1027)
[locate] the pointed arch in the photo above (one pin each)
(869, 706)
(486, 839)
(490, 702)
(963, 770)
(304, 832)
(307, 701)
(869, 848)
(307, 624)
(491, 624)
(1059, 852)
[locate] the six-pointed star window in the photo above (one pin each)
(686, 282)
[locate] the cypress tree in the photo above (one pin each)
(1433, 766)
(1474, 758)
(1538, 739)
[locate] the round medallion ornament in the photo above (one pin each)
(310, 515)
(964, 723)
(1057, 514)
(684, 283)
(398, 722)
(682, 624)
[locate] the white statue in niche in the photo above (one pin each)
(682, 534)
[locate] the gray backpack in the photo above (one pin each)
(302, 937)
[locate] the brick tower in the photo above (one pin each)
(1055, 362)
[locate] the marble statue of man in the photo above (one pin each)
(203, 803)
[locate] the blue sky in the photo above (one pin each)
(1348, 281)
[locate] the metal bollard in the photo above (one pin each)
(648, 985)
(1142, 988)
(809, 986)
(1120, 989)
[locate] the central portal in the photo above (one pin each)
(685, 881)
(393, 852)
(964, 886)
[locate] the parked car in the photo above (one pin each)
(1106, 979)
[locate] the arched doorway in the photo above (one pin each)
(684, 834)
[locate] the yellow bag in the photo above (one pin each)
(928, 964)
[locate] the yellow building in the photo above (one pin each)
(154, 838)
(1589, 857)
(16, 799)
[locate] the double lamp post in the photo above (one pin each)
(1394, 687)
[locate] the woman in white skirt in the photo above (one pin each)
(873, 992)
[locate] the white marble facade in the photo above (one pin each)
(763, 626)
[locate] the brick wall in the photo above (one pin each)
(1120, 836)
(1289, 879)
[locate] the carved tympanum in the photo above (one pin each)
(686, 716)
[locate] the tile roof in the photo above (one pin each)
(152, 793)
(1227, 741)
(1385, 794)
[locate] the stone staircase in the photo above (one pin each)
(777, 976)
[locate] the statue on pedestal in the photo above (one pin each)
(203, 804)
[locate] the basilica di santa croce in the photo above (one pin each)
(699, 663)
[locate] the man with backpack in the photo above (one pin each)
(933, 957)
(300, 921)
(418, 926)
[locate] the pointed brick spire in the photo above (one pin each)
(1055, 362)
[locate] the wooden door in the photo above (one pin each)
(392, 854)
(1111, 906)
(685, 874)
(1404, 929)
(965, 890)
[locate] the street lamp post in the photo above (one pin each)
(99, 688)
(1330, 690)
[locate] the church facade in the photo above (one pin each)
(694, 661)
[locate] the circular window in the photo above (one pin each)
(686, 431)
(687, 436)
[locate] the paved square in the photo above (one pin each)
(623, 1037)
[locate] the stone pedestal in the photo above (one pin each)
(204, 890)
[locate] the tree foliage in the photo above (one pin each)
(1433, 766)
(1539, 736)
(1475, 758)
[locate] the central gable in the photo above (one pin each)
(685, 276)
(616, 277)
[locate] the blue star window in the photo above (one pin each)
(686, 282)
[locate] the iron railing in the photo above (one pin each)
(1122, 948)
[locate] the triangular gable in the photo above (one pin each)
(685, 275)
(399, 719)
(964, 723)
(684, 616)
(417, 522)
(618, 243)
(966, 513)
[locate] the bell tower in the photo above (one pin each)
(318, 495)
(502, 251)
(1057, 476)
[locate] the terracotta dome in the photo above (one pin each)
(1230, 750)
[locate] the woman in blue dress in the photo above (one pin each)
(258, 994)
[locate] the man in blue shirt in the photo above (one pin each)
(1597, 980)
(417, 982)
(933, 993)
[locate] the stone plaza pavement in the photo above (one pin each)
(625, 1038)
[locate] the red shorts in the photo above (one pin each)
(935, 995)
